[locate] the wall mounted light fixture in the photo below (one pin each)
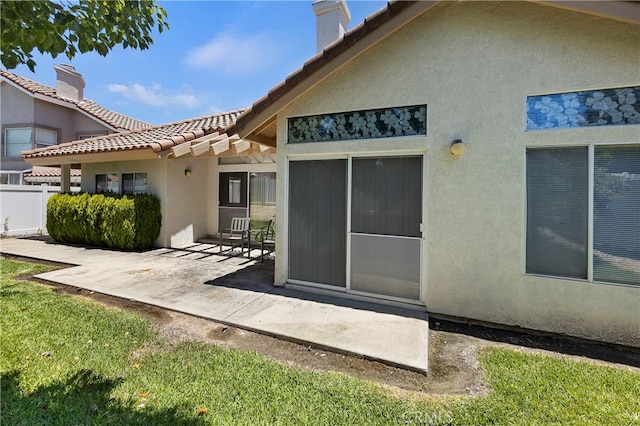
(187, 172)
(457, 147)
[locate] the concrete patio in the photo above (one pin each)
(237, 291)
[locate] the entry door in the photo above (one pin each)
(232, 201)
(386, 221)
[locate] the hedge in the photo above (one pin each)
(128, 222)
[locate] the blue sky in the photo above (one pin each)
(217, 56)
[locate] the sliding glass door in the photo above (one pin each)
(318, 221)
(380, 252)
(386, 217)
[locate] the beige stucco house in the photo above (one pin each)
(477, 160)
(35, 115)
(535, 223)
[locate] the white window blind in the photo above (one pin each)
(46, 137)
(557, 212)
(616, 222)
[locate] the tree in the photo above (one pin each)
(62, 26)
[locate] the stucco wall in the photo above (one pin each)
(71, 123)
(473, 64)
(186, 202)
(15, 105)
(182, 198)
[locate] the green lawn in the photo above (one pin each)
(65, 360)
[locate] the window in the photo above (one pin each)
(561, 203)
(107, 182)
(11, 178)
(262, 198)
(16, 141)
(233, 189)
(353, 125)
(616, 217)
(45, 138)
(603, 107)
(21, 139)
(90, 136)
(134, 183)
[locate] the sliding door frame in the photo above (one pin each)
(350, 157)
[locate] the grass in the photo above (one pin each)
(65, 360)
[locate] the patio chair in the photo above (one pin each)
(239, 232)
(267, 239)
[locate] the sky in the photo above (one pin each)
(217, 56)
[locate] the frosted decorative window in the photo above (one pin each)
(367, 124)
(606, 107)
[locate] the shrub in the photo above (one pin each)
(126, 222)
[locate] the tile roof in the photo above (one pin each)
(158, 138)
(98, 112)
(44, 172)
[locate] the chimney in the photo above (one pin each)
(332, 18)
(69, 83)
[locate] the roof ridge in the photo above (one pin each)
(118, 121)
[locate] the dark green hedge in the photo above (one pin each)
(129, 222)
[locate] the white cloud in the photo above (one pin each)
(154, 95)
(236, 56)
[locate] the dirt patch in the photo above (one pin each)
(453, 348)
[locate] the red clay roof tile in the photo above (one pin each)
(100, 113)
(157, 138)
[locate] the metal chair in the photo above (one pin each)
(239, 232)
(267, 238)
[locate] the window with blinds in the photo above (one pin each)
(616, 214)
(558, 213)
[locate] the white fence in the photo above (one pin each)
(23, 208)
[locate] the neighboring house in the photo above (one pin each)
(479, 160)
(35, 115)
(202, 176)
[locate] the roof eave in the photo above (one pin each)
(93, 157)
(376, 27)
(625, 11)
(396, 15)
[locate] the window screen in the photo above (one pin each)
(557, 212)
(387, 196)
(317, 221)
